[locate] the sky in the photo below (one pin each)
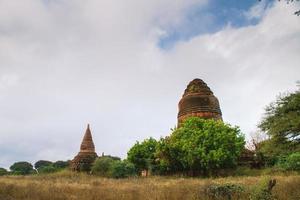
(123, 67)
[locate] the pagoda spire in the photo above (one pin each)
(87, 144)
(87, 155)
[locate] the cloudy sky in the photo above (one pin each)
(122, 66)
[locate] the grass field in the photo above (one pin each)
(68, 185)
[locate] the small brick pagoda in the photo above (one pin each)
(198, 101)
(86, 155)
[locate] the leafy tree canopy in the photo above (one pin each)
(122, 169)
(61, 164)
(142, 155)
(102, 165)
(42, 163)
(201, 145)
(282, 122)
(3, 171)
(22, 168)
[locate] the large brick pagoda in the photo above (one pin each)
(87, 155)
(198, 101)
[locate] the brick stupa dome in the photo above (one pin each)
(198, 101)
(87, 155)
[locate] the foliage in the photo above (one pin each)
(122, 169)
(142, 155)
(102, 165)
(263, 191)
(201, 145)
(42, 163)
(227, 191)
(3, 171)
(290, 162)
(47, 169)
(61, 164)
(282, 123)
(21, 168)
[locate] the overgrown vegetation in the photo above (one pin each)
(66, 185)
(198, 147)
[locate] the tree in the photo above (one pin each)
(122, 169)
(21, 168)
(281, 122)
(42, 163)
(47, 169)
(142, 155)
(3, 171)
(61, 164)
(102, 165)
(201, 146)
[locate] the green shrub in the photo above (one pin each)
(293, 161)
(102, 166)
(226, 191)
(3, 171)
(61, 164)
(290, 162)
(122, 169)
(22, 168)
(47, 169)
(142, 155)
(263, 191)
(42, 163)
(201, 146)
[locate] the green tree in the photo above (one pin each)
(102, 165)
(42, 163)
(142, 155)
(201, 146)
(61, 164)
(47, 169)
(3, 171)
(122, 169)
(21, 168)
(282, 123)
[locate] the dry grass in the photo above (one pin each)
(67, 185)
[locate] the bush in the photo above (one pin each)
(201, 145)
(102, 165)
(3, 171)
(228, 191)
(293, 161)
(47, 169)
(142, 155)
(61, 164)
(42, 163)
(122, 169)
(22, 168)
(263, 191)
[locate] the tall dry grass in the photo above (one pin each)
(68, 185)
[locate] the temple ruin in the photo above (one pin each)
(87, 155)
(198, 101)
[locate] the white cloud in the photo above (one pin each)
(68, 63)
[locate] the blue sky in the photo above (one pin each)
(212, 17)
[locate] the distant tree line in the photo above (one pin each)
(40, 167)
(199, 147)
